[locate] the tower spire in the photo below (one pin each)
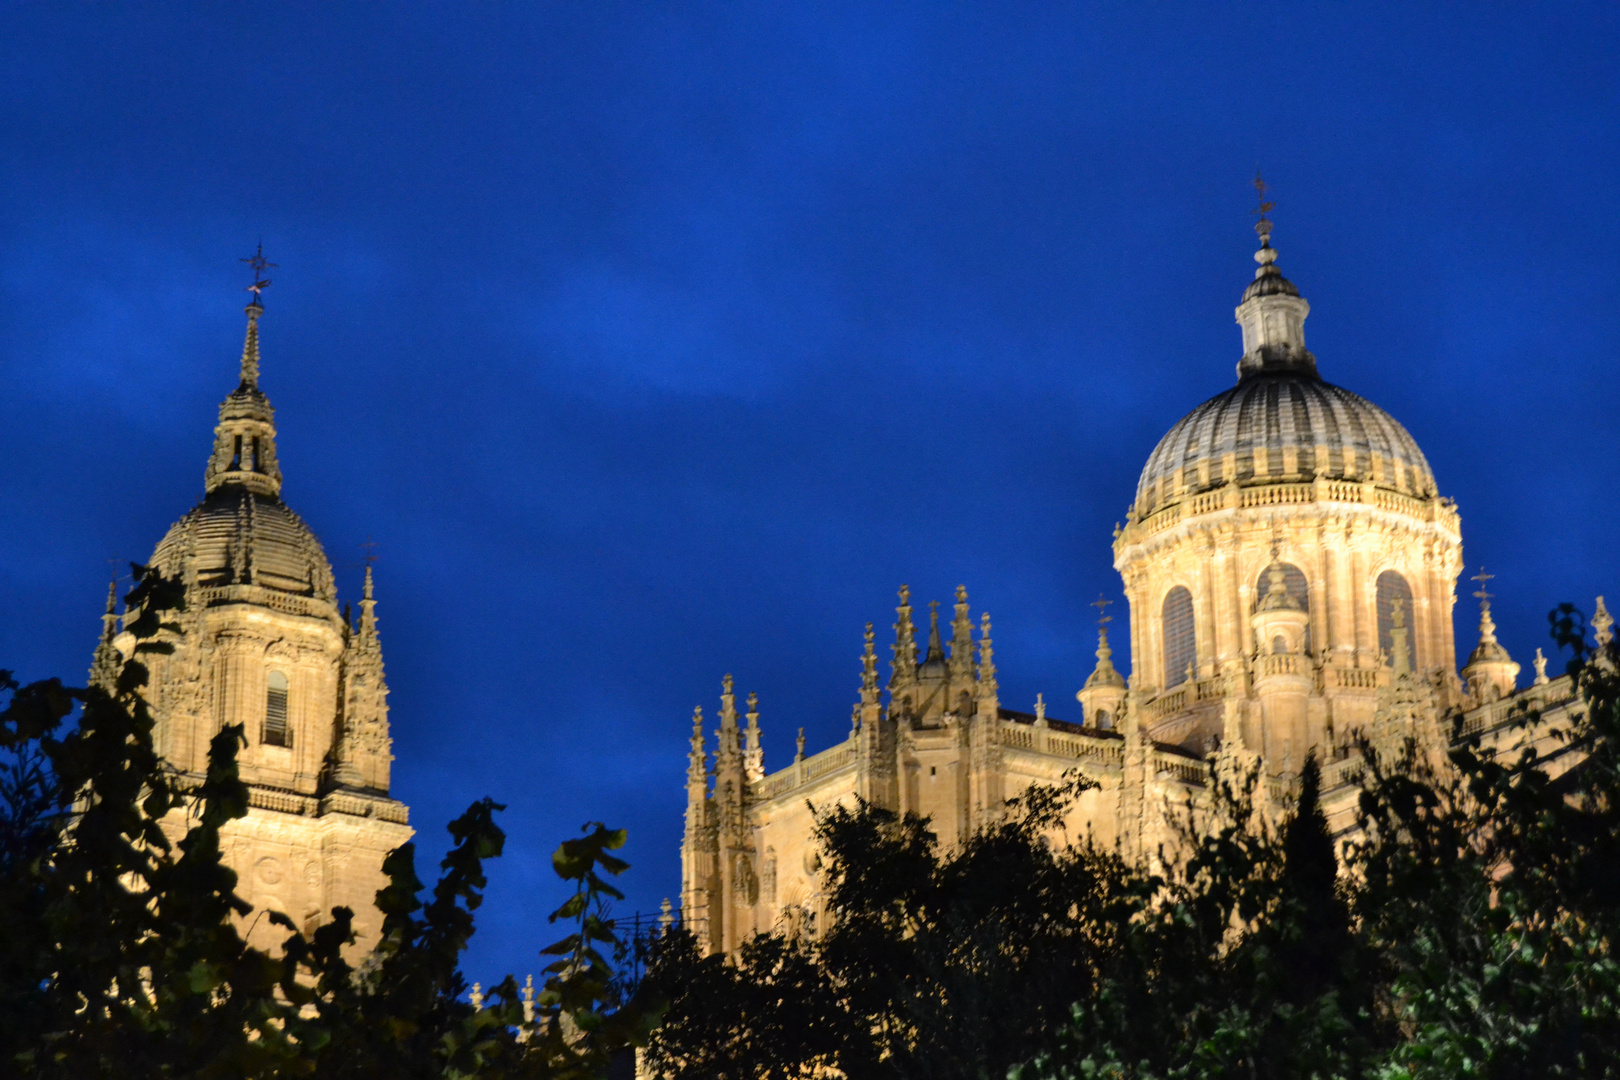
(107, 661)
(962, 638)
(1100, 697)
(1272, 313)
(987, 662)
(1490, 672)
(255, 308)
(904, 664)
(936, 651)
(869, 672)
(245, 438)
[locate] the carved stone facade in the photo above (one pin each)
(1290, 568)
(261, 643)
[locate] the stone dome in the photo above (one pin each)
(237, 537)
(1283, 425)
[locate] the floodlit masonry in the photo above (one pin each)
(1291, 569)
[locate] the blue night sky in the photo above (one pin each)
(655, 342)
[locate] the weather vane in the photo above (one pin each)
(1262, 226)
(371, 550)
(259, 264)
(1101, 604)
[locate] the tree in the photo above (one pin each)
(1469, 930)
(934, 965)
(121, 957)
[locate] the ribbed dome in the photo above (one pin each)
(1330, 432)
(236, 536)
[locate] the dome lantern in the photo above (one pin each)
(1272, 313)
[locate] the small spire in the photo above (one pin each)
(962, 637)
(477, 996)
(697, 772)
(869, 672)
(753, 751)
(904, 664)
(255, 308)
(987, 663)
(1540, 663)
(1487, 627)
(106, 663)
(936, 651)
(1104, 674)
(728, 703)
(798, 752)
(250, 348)
(528, 993)
(1040, 710)
(666, 915)
(1490, 672)
(1602, 624)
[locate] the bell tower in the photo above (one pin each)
(261, 643)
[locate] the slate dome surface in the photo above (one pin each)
(1333, 433)
(235, 531)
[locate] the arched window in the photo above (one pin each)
(1393, 587)
(276, 731)
(1180, 639)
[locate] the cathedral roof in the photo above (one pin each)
(1281, 421)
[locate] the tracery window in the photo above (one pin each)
(1392, 587)
(276, 732)
(1180, 637)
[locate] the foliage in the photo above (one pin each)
(1468, 930)
(122, 953)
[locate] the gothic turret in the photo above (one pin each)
(1101, 697)
(1490, 672)
(107, 661)
(903, 667)
(364, 750)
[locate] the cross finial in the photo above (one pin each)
(1101, 604)
(370, 546)
(259, 264)
(1482, 577)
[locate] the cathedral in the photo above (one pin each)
(262, 643)
(1290, 568)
